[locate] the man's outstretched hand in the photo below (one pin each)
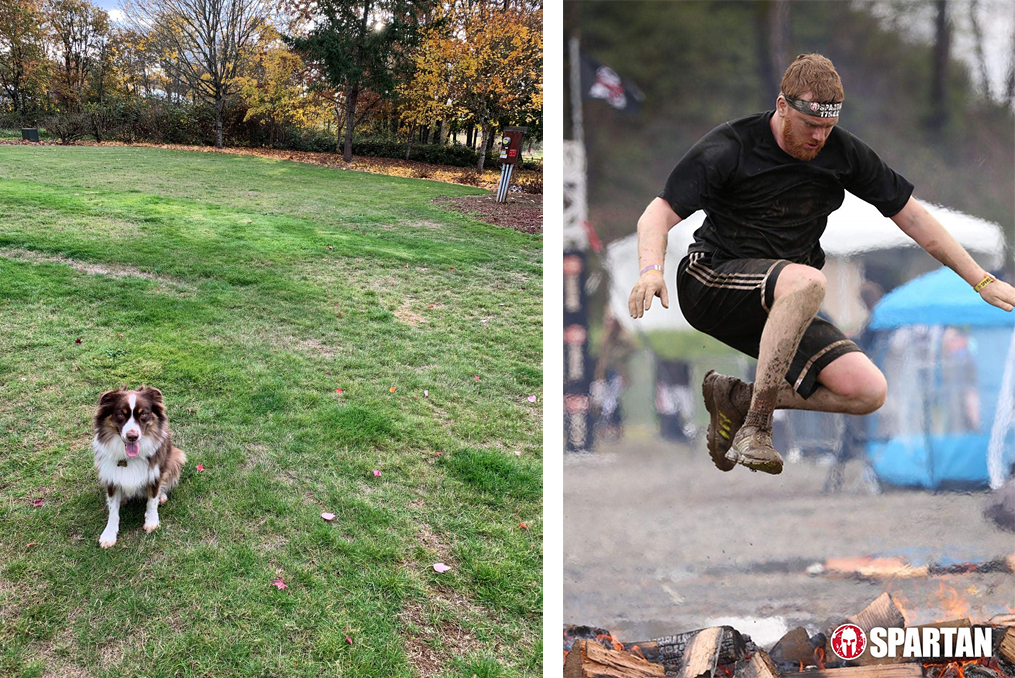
(651, 284)
(998, 293)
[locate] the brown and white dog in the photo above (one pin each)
(134, 454)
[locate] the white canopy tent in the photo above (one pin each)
(854, 229)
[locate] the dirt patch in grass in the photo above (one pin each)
(112, 270)
(521, 212)
(408, 317)
(433, 642)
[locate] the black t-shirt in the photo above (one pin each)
(762, 203)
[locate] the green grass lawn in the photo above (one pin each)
(248, 290)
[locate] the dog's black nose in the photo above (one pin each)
(132, 437)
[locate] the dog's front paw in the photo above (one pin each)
(107, 540)
(151, 527)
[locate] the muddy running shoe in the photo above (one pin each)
(725, 417)
(752, 447)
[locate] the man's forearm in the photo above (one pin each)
(916, 222)
(653, 227)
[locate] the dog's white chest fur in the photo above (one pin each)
(132, 479)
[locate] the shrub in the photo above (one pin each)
(68, 127)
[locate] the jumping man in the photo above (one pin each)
(752, 278)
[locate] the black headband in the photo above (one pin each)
(814, 108)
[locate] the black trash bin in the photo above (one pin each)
(29, 134)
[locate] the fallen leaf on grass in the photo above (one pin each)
(426, 393)
(279, 584)
(78, 340)
(376, 473)
(38, 502)
(349, 639)
(477, 378)
(392, 389)
(517, 453)
(338, 390)
(199, 467)
(532, 399)
(523, 526)
(430, 306)
(328, 516)
(440, 568)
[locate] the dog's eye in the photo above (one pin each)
(144, 415)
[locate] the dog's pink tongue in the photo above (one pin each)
(132, 449)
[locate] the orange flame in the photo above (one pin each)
(637, 650)
(952, 601)
(819, 657)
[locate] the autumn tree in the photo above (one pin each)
(433, 90)
(275, 88)
(502, 68)
(207, 40)
(355, 44)
(24, 69)
(79, 31)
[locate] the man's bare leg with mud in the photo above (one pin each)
(850, 384)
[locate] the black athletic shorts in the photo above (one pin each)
(730, 302)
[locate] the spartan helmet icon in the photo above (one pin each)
(848, 641)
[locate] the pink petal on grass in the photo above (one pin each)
(199, 467)
(338, 390)
(328, 516)
(426, 393)
(376, 473)
(279, 584)
(349, 639)
(517, 453)
(532, 399)
(477, 378)
(440, 568)
(38, 502)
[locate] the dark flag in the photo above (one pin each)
(602, 82)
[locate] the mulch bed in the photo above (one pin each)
(522, 211)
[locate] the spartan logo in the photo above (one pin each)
(849, 641)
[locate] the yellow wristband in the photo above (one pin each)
(654, 267)
(983, 283)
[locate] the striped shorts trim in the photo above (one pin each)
(731, 300)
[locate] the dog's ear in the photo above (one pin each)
(152, 393)
(109, 397)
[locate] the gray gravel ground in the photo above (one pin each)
(657, 541)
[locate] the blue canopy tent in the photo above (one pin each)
(944, 352)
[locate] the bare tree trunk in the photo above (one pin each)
(1009, 81)
(482, 150)
(429, 133)
(412, 133)
(350, 111)
(443, 138)
(772, 29)
(939, 69)
(974, 20)
(219, 104)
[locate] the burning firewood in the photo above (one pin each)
(760, 665)
(589, 659)
(1006, 649)
(669, 650)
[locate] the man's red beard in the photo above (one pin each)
(798, 147)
